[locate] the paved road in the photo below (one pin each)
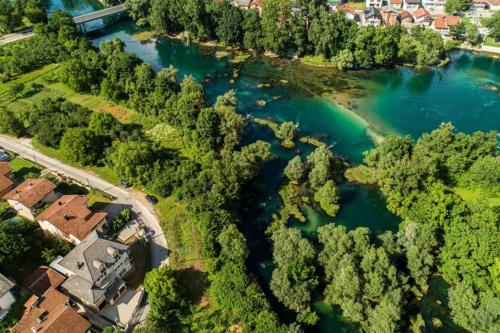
(159, 252)
(99, 14)
(10, 38)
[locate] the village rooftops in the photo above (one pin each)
(5, 168)
(446, 21)
(31, 191)
(71, 216)
(51, 313)
(346, 8)
(421, 12)
(396, 2)
(42, 279)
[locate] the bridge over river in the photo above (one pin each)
(79, 20)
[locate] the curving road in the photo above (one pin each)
(159, 252)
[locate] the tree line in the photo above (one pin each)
(13, 12)
(303, 26)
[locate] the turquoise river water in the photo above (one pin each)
(348, 111)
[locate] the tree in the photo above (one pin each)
(164, 294)
(476, 312)
(473, 36)
(139, 10)
(295, 169)
(321, 166)
(493, 23)
(286, 133)
(9, 124)
(103, 123)
(458, 31)
(275, 25)
(34, 11)
(328, 198)
(233, 244)
(228, 19)
(457, 6)
(294, 277)
(9, 19)
(80, 145)
(166, 16)
(484, 173)
(252, 36)
(344, 60)
(364, 54)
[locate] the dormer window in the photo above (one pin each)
(99, 265)
(112, 251)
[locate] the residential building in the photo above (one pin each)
(389, 15)
(396, 4)
(372, 16)
(422, 17)
(434, 5)
(443, 23)
(42, 279)
(7, 297)
(94, 271)
(493, 5)
(411, 5)
(348, 11)
(257, 4)
(5, 178)
(479, 5)
(406, 19)
(51, 313)
(374, 3)
(70, 218)
(245, 4)
(30, 195)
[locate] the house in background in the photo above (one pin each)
(389, 15)
(372, 16)
(42, 279)
(411, 5)
(31, 194)
(443, 23)
(396, 4)
(374, 3)
(434, 5)
(422, 17)
(406, 19)
(51, 313)
(94, 271)
(5, 178)
(348, 11)
(70, 218)
(7, 297)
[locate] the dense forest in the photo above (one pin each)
(376, 281)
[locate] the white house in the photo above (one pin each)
(30, 195)
(422, 17)
(374, 3)
(372, 16)
(6, 296)
(70, 218)
(94, 270)
(411, 5)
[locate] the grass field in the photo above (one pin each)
(23, 169)
(490, 41)
(472, 195)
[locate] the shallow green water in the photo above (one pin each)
(400, 101)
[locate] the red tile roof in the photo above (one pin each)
(346, 8)
(31, 191)
(5, 168)
(257, 3)
(396, 2)
(42, 279)
(51, 314)
(5, 184)
(405, 14)
(445, 21)
(71, 216)
(421, 12)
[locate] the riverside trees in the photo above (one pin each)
(308, 29)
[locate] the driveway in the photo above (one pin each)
(10, 38)
(159, 252)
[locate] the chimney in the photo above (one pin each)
(34, 330)
(66, 217)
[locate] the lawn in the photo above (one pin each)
(182, 234)
(357, 5)
(23, 169)
(490, 41)
(472, 195)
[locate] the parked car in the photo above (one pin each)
(151, 199)
(4, 156)
(124, 183)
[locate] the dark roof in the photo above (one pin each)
(413, 2)
(5, 285)
(372, 12)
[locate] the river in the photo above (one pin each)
(349, 111)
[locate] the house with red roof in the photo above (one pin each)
(51, 313)
(30, 195)
(5, 178)
(396, 4)
(348, 11)
(443, 23)
(71, 219)
(422, 17)
(42, 279)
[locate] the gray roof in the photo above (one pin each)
(372, 12)
(83, 289)
(242, 3)
(5, 285)
(93, 248)
(413, 2)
